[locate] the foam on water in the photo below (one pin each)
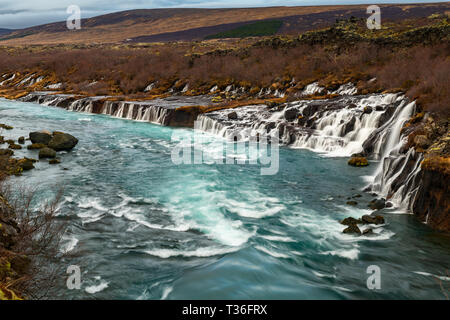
(93, 289)
(199, 252)
(175, 229)
(351, 254)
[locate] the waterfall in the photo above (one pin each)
(212, 126)
(338, 127)
(396, 175)
(140, 111)
(82, 105)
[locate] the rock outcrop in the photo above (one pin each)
(62, 142)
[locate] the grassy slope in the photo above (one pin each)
(120, 26)
(258, 29)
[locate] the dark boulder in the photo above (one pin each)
(62, 142)
(372, 219)
(349, 126)
(352, 203)
(40, 137)
(352, 229)
(350, 221)
(290, 114)
(367, 110)
(377, 204)
(54, 161)
(26, 164)
(36, 146)
(368, 232)
(21, 140)
(386, 115)
(232, 115)
(47, 153)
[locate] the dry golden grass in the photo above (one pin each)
(112, 33)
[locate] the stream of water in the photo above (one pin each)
(141, 227)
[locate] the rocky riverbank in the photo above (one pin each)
(412, 146)
(15, 260)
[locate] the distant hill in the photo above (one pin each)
(5, 31)
(157, 25)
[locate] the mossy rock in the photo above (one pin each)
(6, 127)
(47, 153)
(62, 142)
(43, 137)
(36, 146)
(54, 161)
(358, 162)
(25, 164)
(15, 146)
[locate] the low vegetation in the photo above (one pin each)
(411, 57)
(257, 29)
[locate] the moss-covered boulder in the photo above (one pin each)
(40, 137)
(36, 146)
(47, 153)
(54, 161)
(15, 146)
(62, 142)
(26, 164)
(5, 126)
(358, 162)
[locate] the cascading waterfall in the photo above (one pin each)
(341, 127)
(397, 174)
(139, 111)
(335, 127)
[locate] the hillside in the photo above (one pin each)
(5, 31)
(154, 25)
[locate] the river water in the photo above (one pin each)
(142, 227)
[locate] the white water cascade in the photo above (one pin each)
(139, 111)
(338, 129)
(349, 125)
